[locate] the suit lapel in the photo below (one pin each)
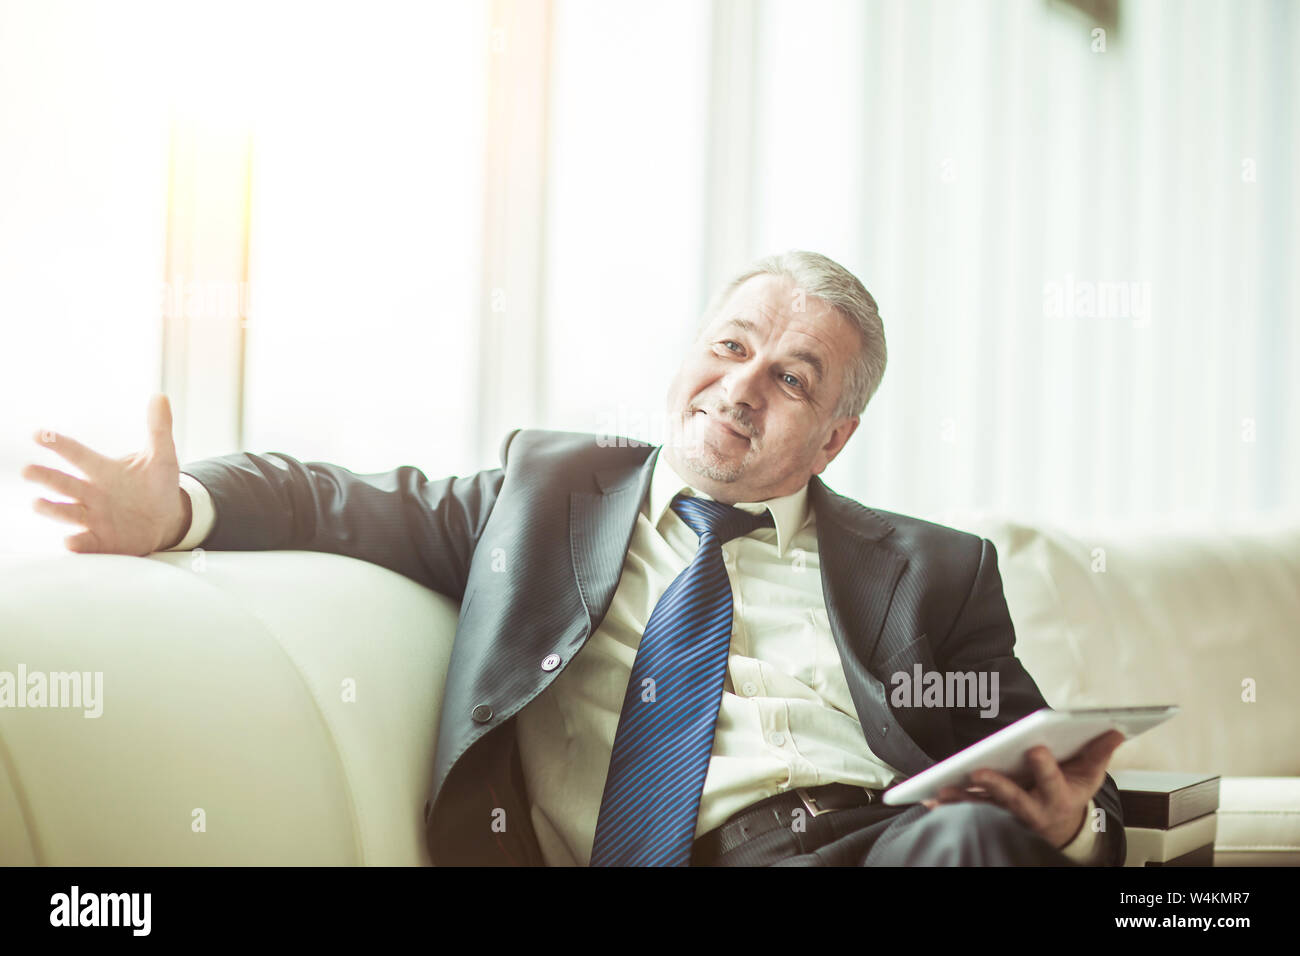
(860, 573)
(600, 531)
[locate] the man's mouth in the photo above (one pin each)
(722, 424)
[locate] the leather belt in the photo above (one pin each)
(777, 811)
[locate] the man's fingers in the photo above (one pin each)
(61, 482)
(1047, 773)
(1107, 743)
(993, 788)
(963, 795)
(1006, 793)
(87, 459)
(159, 416)
(85, 543)
(1100, 749)
(73, 512)
(1095, 755)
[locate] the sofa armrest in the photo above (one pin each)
(233, 708)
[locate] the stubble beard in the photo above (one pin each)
(713, 466)
(704, 459)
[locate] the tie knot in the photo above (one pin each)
(713, 517)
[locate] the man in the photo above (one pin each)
(673, 655)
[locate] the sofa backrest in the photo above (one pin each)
(1209, 621)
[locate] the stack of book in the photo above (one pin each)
(1170, 819)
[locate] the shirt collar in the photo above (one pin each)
(789, 512)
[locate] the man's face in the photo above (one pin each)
(749, 411)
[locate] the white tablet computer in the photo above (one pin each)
(1063, 732)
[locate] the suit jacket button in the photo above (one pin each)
(550, 662)
(482, 713)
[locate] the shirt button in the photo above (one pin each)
(777, 739)
(550, 662)
(749, 688)
(482, 713)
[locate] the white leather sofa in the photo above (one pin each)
(281, 707)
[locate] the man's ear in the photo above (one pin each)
(838, 438)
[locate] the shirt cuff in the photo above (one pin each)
(202, 514)
(1086, 847)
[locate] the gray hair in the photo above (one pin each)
(816, 276)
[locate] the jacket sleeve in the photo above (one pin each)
(399, 519)
(983, 639)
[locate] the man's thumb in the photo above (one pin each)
(1106, 744)
(160, 423)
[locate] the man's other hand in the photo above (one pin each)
(1056, 805)
(132, 505)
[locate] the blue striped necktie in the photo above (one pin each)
(665, 732)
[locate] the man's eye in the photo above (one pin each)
(796, 383)
(730, 342)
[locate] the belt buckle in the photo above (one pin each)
(810, 802)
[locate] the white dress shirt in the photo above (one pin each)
(786, 719)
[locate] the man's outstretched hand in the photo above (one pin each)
(132, 505)
(1056, 805)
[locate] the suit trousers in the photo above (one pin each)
(968, 833)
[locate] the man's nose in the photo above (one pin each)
(743, 386)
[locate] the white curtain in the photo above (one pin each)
(1083, 246)
(365, 234)
(83, 172)
(985, 168)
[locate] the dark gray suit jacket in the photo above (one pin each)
(534, 549)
